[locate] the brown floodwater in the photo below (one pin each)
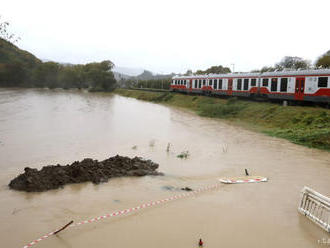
(41, 127)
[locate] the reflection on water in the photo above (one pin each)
(40, 127)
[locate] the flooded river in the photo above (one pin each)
(40, 127)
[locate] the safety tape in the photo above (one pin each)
(129, 210)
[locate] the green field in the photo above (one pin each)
(309, 126)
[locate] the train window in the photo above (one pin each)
(265, 82)
(284, 84)
(200, 83)
(239, 84)
(253, 82)
(215, 84)
(210, 82)
(246, 84)
(184, 82)
(220, 84)
(323, 82)
(273, 86)
(204, 82)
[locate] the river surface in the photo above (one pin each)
(42, 127)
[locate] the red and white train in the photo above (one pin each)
(307, 85)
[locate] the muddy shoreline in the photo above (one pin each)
(88, 170)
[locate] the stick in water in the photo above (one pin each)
(64, 227)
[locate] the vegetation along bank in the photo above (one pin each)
(309, 126)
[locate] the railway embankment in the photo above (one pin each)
(308, 126)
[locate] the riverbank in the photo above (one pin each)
(308, 126)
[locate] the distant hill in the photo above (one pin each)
(11, 55)
(148, 75)
(120, 76)
(129, 71)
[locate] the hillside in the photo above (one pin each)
(16, 65)
(11, 54)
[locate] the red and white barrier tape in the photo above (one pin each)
(129, 210)
(255, 180)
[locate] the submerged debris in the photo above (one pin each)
(169, 188)
(184, 154)
(172, 188)
(168, 147)
(56, 176)
(186, 189)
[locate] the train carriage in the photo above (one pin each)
(307, 85)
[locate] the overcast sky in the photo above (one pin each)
(171, 36)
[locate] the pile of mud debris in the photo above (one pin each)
(56, 176)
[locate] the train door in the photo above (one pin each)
(299, 89)
(190, 85)
(230, 86)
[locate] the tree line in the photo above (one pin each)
(19, 68)
(163, 83)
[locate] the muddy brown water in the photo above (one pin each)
(40, 127)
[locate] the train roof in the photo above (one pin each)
(264, 74)
(294, 73)
(228, 75)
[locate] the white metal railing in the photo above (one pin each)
(316, 207)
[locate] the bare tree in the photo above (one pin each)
(5, 34)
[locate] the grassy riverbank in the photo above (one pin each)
(307, 126)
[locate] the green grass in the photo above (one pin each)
(309, 126)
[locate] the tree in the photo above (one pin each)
(12, 75)
(46, 75)
(267, 69)
(5, 34)
(100, 77)
(188, 73)
(324, 60)
(214, 70)
(289, 62)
